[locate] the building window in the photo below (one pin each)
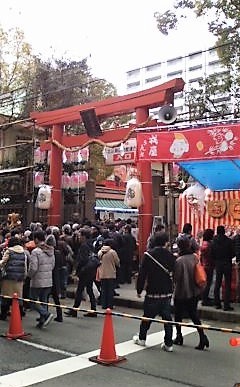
(174, 61)
(197, 67)
(133, 73)
(222, 99)
(214, 62)
(178, 95)
(149, 80)
(199, 79)
(213, 52)
(133, 84)
(175, 74)
(153, 67)
(195, 55)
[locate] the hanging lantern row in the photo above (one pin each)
(74, 181)
(67, 156)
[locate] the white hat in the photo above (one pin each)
(27, 233)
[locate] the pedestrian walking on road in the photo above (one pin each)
(86, 275)
(14, 262)
(186, 292)
(156, 271)
(41, 265)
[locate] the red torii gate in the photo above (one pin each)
(140, 103)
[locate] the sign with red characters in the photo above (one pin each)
(213, 142)
(124, 154)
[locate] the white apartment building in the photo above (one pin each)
(191, 68)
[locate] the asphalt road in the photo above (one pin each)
(58, 355)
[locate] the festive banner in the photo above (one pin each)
(214, 142)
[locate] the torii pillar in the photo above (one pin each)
(145, 173)
(55, 177)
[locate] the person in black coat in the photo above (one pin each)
(126, 258)
(222, 253)
(159, 289)
(236, 244)
(86, 275)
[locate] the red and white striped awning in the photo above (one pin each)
(200, 221)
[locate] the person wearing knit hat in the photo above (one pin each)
(179, 146)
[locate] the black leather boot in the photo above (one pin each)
(178, 340)
(204, 342)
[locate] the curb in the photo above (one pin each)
(205, 312)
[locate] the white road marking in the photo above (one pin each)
(35, 375)
(46, 348)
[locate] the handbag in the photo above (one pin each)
(200, 275)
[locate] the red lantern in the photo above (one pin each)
(83, 177)
(84, 153)
(74, 184)
(66, 181)
(39, 156)
(38, 179)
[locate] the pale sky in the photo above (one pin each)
(115, 35)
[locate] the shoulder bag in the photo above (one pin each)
(200, 275)
(159, 264)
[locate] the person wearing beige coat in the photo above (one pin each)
(107, 273)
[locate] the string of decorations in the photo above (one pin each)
(97, 141)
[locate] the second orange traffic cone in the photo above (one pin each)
(107, 354)
(15, 330)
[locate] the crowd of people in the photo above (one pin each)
(38, 263)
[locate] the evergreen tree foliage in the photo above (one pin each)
(224, 23)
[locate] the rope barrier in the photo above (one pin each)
(130, 316)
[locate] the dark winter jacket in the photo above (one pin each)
(16, 264)
(222, 249)
(236, 244)
(185, 285)
(84, 253)
(158, 281)
(193, 243)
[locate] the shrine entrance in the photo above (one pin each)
(138, 103)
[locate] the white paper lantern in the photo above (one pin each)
(44, 197)
(133, 196)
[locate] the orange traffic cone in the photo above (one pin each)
(107, 353)
(234, 341)
(15, 330)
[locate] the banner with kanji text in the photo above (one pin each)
(213, 142)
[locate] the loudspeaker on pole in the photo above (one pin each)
(91, 123)
(167, 114)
